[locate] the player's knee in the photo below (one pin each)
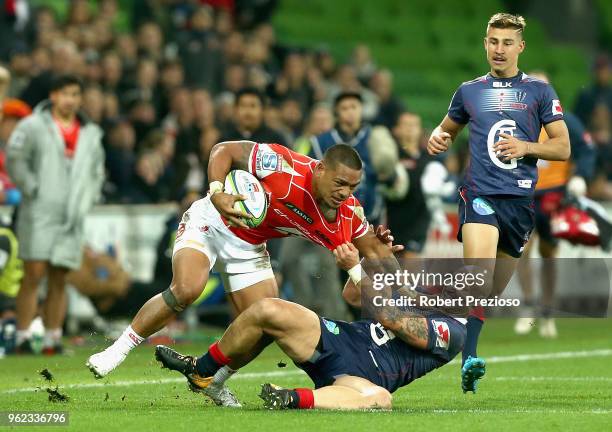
(268, 310)
(185, 293)
(34, 275)
(381, 399)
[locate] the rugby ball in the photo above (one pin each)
(240, 182)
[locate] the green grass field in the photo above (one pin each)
(531, 384)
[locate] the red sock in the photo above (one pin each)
(306, 398)
(217, 355)
(478, 312)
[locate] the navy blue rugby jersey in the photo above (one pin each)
(517, 106)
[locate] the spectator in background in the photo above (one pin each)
(292, 117)
(144, 87)
(128, 52)
(292, 83)
(150, 41)
(350, 129)
(21, 65)
(363, 63)
(13, 22)
(120, 143)
(345, 81)
(426, 180)
(112, 72)
(155, 177)
(64, 60)
(93, 103)
(181, 124)
(12, 111)
(599, 93)
(141, 114)
(319, 121)
(55, 201)
(601, 131)
(5, 81)
(200, 51)
(389, 106)
(249, 120)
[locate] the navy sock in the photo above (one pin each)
(206, 365)
(473, 327)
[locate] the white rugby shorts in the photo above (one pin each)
(241, 264)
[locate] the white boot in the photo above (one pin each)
(102, 363)
(548, 328)
(524, 326)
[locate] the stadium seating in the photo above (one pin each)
(430, 46)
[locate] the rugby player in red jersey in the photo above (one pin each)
(306, 197)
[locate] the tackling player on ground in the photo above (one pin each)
(353, 365)
(505, 110)
(306, 197)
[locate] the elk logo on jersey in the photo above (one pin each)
(442, 333)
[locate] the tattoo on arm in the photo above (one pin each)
(241, 154)
(409, 326)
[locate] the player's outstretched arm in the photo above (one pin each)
(443, 135)
(347, 258)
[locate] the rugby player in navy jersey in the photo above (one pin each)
(354, 365)
(505, 110)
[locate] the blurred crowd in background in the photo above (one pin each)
(189, 74)
(164, 93)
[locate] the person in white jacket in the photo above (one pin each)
(56, 159)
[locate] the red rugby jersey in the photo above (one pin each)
(292, 210)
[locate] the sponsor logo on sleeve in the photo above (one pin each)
(557, 109)
(525, 184)
(269, 161)
(442, 333)
(331, 326)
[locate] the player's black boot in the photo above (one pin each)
(186, 365)
(276, 398)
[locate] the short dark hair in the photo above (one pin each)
(251, 91)
(61, 81)
(343, 154)
(347, 95)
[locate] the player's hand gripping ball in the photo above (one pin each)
(255, 205)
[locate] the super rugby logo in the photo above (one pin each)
(269, 161)
(442, 333)
(299, 212)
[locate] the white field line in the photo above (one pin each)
(511, 411)
(547, 356)
(293, 372)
